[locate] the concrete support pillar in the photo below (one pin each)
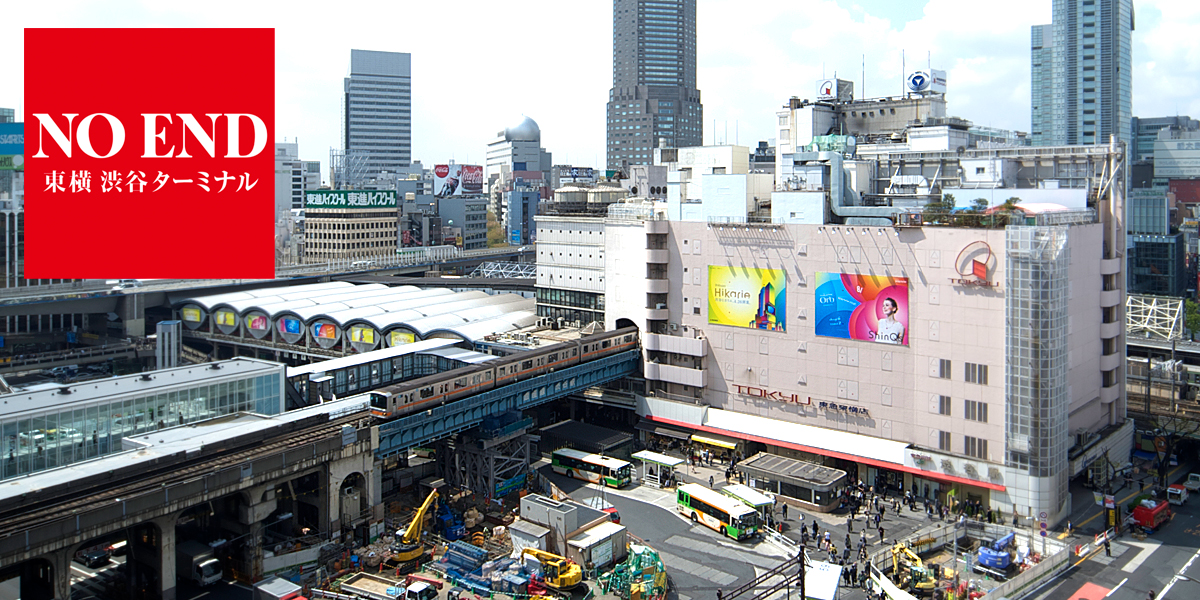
(48, 577)
(167, 575)
(133, 314)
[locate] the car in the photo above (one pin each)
(94, 558)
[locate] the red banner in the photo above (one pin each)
(149, 153)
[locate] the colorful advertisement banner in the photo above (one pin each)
(457, 180)
(862, 307)
(12, 138)
(363, 335)
(191, 314)
(226, 317)
(741, 297)
(291, 326)
(257, 322)
(324, 331)
(397, 338)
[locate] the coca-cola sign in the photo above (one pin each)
(457, 180)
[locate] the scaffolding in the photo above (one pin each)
(1154, 317)
(505, 270)
(348, 168)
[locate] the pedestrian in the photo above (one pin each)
(711, 482)
(1107, 548)
(1070, 527)
(880, 536)
(847, 540)
(726, 476)
(828, 542)
(1142, 488)
(1014, 518)
(850, 523)
(803, 536)
(989, 516)
(784, 512)
(854, 574)
(846, 553)
(862, 539)
(815, 528)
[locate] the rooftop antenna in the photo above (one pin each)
(903, 73)
(863, 91)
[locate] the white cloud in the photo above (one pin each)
(478, 65)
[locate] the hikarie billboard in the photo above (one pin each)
(457, 180)
(149, 153)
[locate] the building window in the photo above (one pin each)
(944, 369)
(944, 405)
(976, 373)
(975, 410)
(944, 440)
(975, 447)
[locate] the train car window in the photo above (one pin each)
(574, 351)
(605, 344)
(553, 357)
(527, 365)
(426, 392)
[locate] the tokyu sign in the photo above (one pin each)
(350, 199)
(778, 396)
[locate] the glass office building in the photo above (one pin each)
(58, 425)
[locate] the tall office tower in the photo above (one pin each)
(377, 109)
(654, 97)
(1082, 70)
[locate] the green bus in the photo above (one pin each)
(717, 511)
(595, 468)
(761, 503)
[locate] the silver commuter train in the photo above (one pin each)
(435, 390)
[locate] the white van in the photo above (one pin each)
(362, 264)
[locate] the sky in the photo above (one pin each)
(479, 65)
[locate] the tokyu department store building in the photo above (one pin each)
(960, 349)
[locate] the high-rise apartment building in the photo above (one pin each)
(654, 95)
(1082, 71)
(377, 109)
(7, 115)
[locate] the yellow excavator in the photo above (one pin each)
(909, 571)
(409, 549)
(558, 573)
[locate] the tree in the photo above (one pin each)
(979, 205)
(937, 210)
(495, 232)
(1169, 430)
(1192, 312)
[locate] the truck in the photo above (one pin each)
(275, 588)
(1177, 494)
(1150, 514)
(1193, 482)
(196, 562)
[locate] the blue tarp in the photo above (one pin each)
(1144, 455)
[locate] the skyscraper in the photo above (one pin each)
(377, 109)
(654, 95)
(1082, 69)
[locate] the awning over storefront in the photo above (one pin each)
(844, 442)
(716, 440)
(658, 459)
(863, 449)
(660, 429)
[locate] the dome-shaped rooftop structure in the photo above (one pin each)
(526, 131)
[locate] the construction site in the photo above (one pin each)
(967, 560)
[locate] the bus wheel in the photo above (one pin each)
(570, 474)
(725, 531)
(694, 519)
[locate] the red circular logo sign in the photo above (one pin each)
(441, 170)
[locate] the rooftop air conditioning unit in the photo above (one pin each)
(674, 326)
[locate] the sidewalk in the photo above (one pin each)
(1086, 516)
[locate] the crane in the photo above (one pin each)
(409, 547)
(558, 573)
